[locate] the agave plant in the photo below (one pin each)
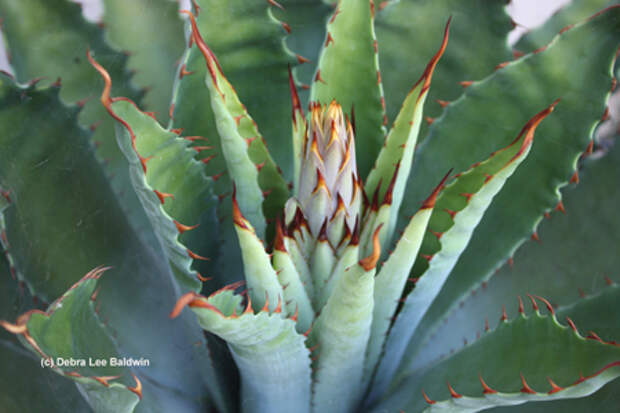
(340, 270)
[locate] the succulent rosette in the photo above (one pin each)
(256, 264)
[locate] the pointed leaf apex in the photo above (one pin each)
(13, 328)
(429, 203)
(278, 308)
(370, 262)
(238, 218)
(248, 308)
(210, 59)
(279, 240)
(105, 95)
(374, 206)
(387, 199)
(530, 128)
(430, 68)
(182, 302)
(192, 299)
(201, 303)
(294, 96)
(266, 306)
(320, 183)
(355, 238)
(323, 231)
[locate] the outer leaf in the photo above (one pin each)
(247, 159)
(576, 365)
(561, 140)
(50, 335)
(252, 55)
(402, 25)
(153, 32)
(396, 154)
(457, 212)
(571, 258)
(390, 283)
(349, 255)
(62, 36)
(272, 357)
(25, 175)
(299, 133)
(172, 173)
(322, 262)
(605, 399)
(341, 333)
(296, 298)
(598, 313)
(183, 200)
(360, 88)
(61, 202)
(263, 285)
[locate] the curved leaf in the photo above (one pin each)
(50, 336)
(162, 166)
(48, 39)
(402, 29)
(255, 61)
(570, 258)
(586, 313)
(64, 220)
(536, 348)
(458, 211)
(390, 283)
(272, 358)
(605, 399)
(264, 288)
(396, 154)
(341, 335)
(248, 162)
(533, 189)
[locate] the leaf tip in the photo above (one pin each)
(370, 262)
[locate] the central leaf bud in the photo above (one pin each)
(329, 194)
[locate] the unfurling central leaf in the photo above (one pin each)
(329, 194)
